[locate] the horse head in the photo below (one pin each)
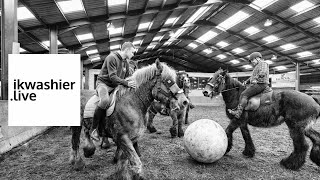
(216, 84)
(166, 89)
(183, 80)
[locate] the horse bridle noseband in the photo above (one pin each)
(169, 84)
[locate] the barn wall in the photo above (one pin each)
(11, 137)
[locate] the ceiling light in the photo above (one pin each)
(207, 36)
(114, 47)
(193, 45)
(116, 2)
(143, 26)
(95, 59)
(233, 20)
(197, 14)
(288, 47)
(302, 6)
(83, 37)
(271, 39)
(70, 6)
(268, 23)
(170, 21)
(252, 30)
(279, 68)
(208, 51)
(304, 54)
(221, 56)
(157, 38)
(247, 66)
(151, 46)
(114, 31)
(90, 52)
(238, 50)
(222, 44)
(261, 4)
(23, 13)
(269, 62)
(47, 43)
(235, 61)
(138, 42)
(317, 20)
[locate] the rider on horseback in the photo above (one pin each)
(259, 80)
(113, 72)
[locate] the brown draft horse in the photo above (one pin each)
(178, 115)
(298, 110)
(126, 124)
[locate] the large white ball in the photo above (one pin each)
(205, 140)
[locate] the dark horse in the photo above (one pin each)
(298, 110)
(178, 115)
(127, 123)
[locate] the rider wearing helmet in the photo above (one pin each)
(259, 80)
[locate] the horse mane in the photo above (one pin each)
(145, 74)
(234, 82)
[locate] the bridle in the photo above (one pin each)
(166, 87)
(219, 81)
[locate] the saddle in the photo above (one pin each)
(93, 102)
(266, 97)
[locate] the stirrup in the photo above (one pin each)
(94, 135)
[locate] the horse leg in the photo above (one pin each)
(181, 117)
(105, 144)
(88, 148)
(129, 165)
(173, 128)
(117, 155)
(249, 149)
(187, 115)
(150, 126)
(136, 147)
(315, 151)
(298, 156)
(75, 158)
(230, 129)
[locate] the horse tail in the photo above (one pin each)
(315, 138)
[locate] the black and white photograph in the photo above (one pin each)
(160, 90)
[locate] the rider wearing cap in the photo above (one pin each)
(114, 70)
(259, 80)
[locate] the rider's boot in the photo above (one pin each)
(236, 112)
(99, 115)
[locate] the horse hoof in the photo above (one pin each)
(292, 163)
(173, 132)
(115, 160)
(152, 129)
(79, 165)
(105, 145)
(88, 151)
(248, 153)
(137, 177)
(180, 134)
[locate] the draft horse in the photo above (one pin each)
(178, 115)
(298, 110)
(127, 123)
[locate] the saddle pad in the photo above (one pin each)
(93, 102)
(264, 98)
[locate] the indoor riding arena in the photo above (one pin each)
(199, 56)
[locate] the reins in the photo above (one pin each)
(229, 89)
